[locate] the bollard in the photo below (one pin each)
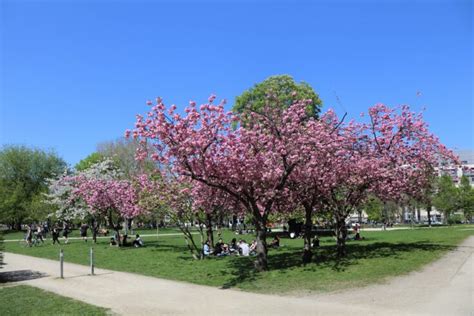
(92, 261)
(61, 262)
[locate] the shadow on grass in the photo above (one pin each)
(154, 246)
(325, 257)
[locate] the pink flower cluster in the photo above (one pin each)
(108, 195)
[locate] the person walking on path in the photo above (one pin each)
(83, 230)
(29, 235)
(55, 236)
(66, 233)
(39, 234)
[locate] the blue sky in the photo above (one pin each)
(75, 73)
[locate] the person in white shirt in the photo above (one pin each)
(244, 248)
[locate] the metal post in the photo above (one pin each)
(92, 261)
(61, 262)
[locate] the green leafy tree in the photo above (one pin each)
(466, 198)
(90, 160)
(281, 91)
(447, 196)
(23, 174)
(373, 207)
(122, 151)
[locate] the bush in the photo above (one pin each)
(455, 219)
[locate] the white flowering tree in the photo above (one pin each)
(68, 206)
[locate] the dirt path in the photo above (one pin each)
(442, 288)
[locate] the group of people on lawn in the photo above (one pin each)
(241, 248)
(137, 242)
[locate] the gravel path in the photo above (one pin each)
(442, 288)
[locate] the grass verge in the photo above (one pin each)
(28, 300)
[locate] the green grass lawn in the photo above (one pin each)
(28, 300)
(380, 256)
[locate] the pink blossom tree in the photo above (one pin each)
(391, 156)
(108, 197)
(250, 165)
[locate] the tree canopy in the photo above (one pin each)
(23, 174)
(279, 91)
(90, 160)
(446, 197)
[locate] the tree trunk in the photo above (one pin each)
(428, 210)
(116, 228)
(94, 225)
(261, 263)
(117, 234)
(188, 237)
(210, 233)
(201, 234)
(341, 235)
(308, 228)
(234, 222)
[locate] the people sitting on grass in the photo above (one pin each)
(234, 247)
(240, 248)
(253, 247)
(138, 242)
(112, 242)
(244, 248)
(357, 232)
(125, 242)
(206, 249)
(275, 242)
(315, 242)
(218, 247)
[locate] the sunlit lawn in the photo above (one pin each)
(27, 300)
(379, 256)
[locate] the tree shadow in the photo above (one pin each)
(20, 275)
(326, 257)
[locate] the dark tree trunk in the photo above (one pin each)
(94, 227)
(116, 228)
(117, 234)
(261, 263)
(428, 210)
(210, 233)
(308, 228)
(234, 222)
(341, 235)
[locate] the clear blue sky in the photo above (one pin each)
(75, 73)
